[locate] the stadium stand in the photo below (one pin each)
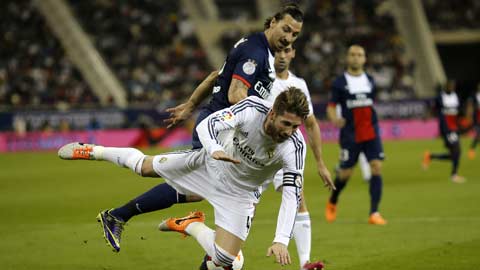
(329, 28)
(34, 70)
(150, 46)
(452, 15)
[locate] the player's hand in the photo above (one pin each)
(179, 114)
(220, 155)
(281, 253)
(339, 122)
(326, 177)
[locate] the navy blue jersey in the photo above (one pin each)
(447, 105)
(356, 95)
(251, 61)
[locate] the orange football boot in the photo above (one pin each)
(426, 160)
(180, 224)
(76, 150)
(331, 212)
(376, 219)
(471, 154)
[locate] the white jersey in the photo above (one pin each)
(280, 85)
(238, 131)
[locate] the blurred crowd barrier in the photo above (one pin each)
(181, 137)
(94, 119)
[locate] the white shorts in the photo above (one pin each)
(187, 173)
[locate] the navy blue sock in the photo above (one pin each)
(443, 156)
(339, 185)
(160, 197)
(455, 159)
(375, 192)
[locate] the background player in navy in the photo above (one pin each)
(476, 123)
(354, 91)
(248, 70)
(447, 105)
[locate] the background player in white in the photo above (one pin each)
(284, 79)
(243, 146)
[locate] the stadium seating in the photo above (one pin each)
(34, 70)
(150, 46)
(452, 15)
(329, 27)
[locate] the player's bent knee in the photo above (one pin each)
(193, 198)
(345, 174)
(376, 167)
(147, 167)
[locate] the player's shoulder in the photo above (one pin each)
(252, 103)
(296, 142)
(297, 79)
(370, 77)
(253, 43)
(340, 81)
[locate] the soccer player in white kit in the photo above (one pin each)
(284, 79)
(243, 147)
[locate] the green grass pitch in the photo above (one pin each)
(48, 208)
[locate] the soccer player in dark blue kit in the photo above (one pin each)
(447, 105)
(354, 91)
(248, 70)
(476, 123)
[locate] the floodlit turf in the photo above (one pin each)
(48, 208)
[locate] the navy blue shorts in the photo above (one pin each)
(349, 152)
(450, 139)
(204, 113)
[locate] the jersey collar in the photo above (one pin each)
(265, 42)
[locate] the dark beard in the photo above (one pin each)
(272, 132)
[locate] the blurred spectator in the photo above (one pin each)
(329, 28)
(34, 71)
(237, 10)
(452, 15)
(151, 47)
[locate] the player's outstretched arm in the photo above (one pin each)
(315, 140)
(281, 253)
(184, 111)
(238, 91)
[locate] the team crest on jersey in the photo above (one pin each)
(270, 153)
(298, 181)
(249, 67)
(162, 159)
(226, 115)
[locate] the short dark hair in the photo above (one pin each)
(292, 100)
(290, 9)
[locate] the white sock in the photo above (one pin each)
(204, 235)
(364, 167)
(302, 233)
(124, 157)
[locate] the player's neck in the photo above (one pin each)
(282, 74)
(268, 36)
(355, 72)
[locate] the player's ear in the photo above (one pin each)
(271, 114)
(273, 22)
